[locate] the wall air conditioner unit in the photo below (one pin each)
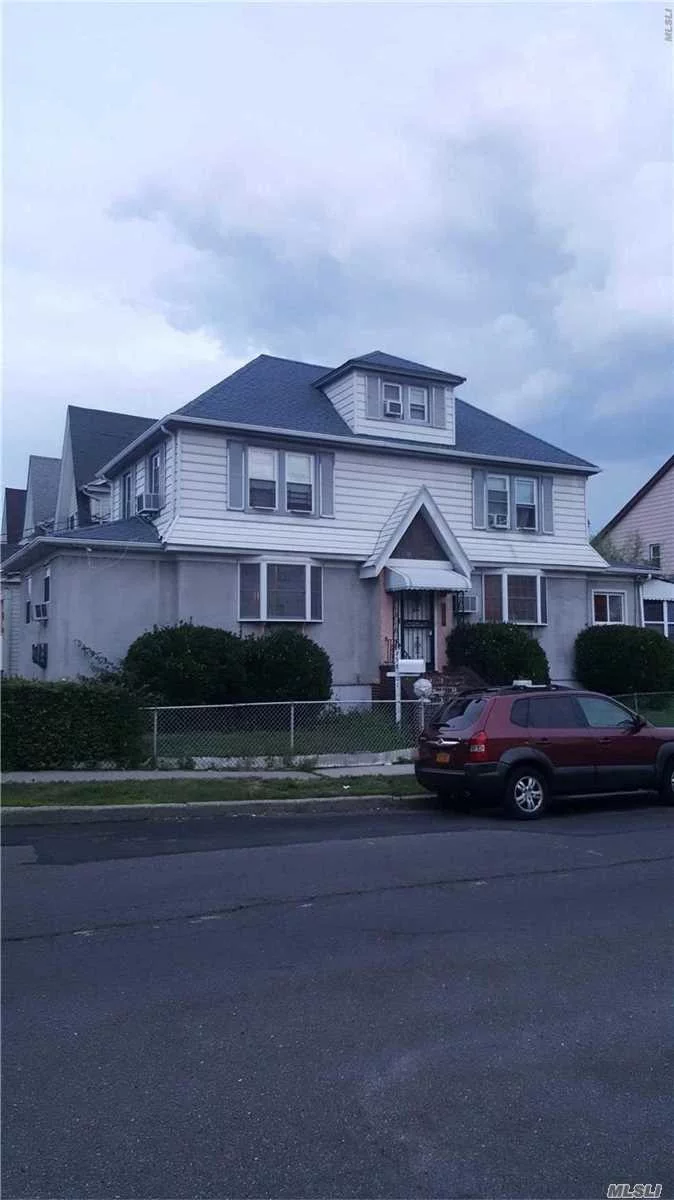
(41, 611)
(465, 602)
(393, 408)
(147, 504)
(498, 521)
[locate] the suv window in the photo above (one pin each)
(554, 712)
(604, 714)
(519, 713)
(461, 713)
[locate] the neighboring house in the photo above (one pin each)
(647, 522)
(41, 491)
(13, 511)
(92, 437)
(367, 505)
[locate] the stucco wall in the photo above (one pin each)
(570, 610)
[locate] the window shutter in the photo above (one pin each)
(513, 502)
(326, 473)
(316, 593)
(545, 504)
(479, 484)
(249, 592)
(235, 472)
(438, 418)
(373, 408)
(544, 600)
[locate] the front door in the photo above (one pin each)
(416, 626)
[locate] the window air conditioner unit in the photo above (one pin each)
(393, 408)
(147, 504)
(41, 611)
(498, 521)
(465, 602)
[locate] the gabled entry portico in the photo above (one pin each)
(420, 563)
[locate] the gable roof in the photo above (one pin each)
(281, 394)
(390, 362)
(399, 522)
(643, 491)
(43, 482)
(97, 436)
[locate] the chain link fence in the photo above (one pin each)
(285, 732)
(656, 707)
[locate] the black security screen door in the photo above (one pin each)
(416, 626)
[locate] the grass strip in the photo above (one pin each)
(186, 791)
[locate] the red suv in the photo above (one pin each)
(522, 745)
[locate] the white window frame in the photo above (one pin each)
(651, 557)
(419, 403)
(154, 454)
(505, 614)
(28, 608)
(278, 561)
(128, 475)
(534, 481)
(385, 383)
(611, 592)
(46, 579)
(666, 623)
(506, 478)
(300, 512)
(262, 507)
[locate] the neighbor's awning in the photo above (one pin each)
(425, 579)
(658, 589)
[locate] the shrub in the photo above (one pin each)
(498, 652)
(621, 658)
(50, 725)
(287, 665)
(187, 664)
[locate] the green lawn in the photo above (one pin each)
(185, 791)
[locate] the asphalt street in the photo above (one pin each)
(331, 1006)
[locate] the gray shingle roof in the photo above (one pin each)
(279, 393)
(132, 529)
(97, 436)
(43, 476)
(14, 513)
(391, 362)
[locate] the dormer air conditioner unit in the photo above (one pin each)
(147, 504)
(393, 408)
(465, 602)
(41, 611)
(498, 521)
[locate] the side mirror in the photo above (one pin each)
(639, 722)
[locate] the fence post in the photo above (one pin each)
(292, 728)
(154, 734)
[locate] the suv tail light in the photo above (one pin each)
(477, 745)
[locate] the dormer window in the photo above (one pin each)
(418, 404)
(393, 391)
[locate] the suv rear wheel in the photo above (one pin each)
(526, 793)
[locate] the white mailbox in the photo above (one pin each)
(410, 666)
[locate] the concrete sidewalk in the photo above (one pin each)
(143, 776)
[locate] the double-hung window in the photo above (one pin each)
(271, 591)
(608, 608)
(654, 555)
(498, 502)
(299, 483)
(127, 494)
(154, 473)
(262, 478)
(526, 504)
(418, 404)
(520, 599)
(659, 615)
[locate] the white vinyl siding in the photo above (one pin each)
(367, 489)
(169, 497)
(342, 395)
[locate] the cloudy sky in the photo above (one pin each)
(483, 187)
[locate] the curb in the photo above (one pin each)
(80, 814)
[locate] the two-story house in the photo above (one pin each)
(367, 505)
(646, 523)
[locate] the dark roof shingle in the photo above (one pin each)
(97, 436)
(43, 477)
(130, 529)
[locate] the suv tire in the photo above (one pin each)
(667, 784)
(527, 793)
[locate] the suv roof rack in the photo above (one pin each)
(503, 689)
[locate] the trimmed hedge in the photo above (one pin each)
(498, 652)
(52, 725)
(196, 664)
(187, 664)
(622, 658)
(287, 665)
